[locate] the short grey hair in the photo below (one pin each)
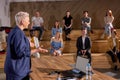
(20, 16)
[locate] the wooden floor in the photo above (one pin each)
(46, 64)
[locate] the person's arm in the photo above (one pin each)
(78, 44)
(51, 43)
(64, 23)
(88, 23)
(39, 50)
(71, 23)
(61, 46)
(112, 19)
(88, 44)
(41, 22)
(52, 32)
(19, 45)
(82, 21)
(105, 20)
(32, 23)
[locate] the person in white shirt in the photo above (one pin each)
(108, 19)
(37, 24)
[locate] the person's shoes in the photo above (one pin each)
(69, 39)
(115, 68)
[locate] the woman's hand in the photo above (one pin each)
(42, 50)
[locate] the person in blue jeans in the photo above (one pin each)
(56, 45)
(86, 22)
(56, 28)
(18, 62)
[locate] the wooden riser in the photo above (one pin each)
(74, 34)
(70, 46)
(98, 46)
(101, 60)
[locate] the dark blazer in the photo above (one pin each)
(17, 63)
(79, 43)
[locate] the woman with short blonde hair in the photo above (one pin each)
(18, 61)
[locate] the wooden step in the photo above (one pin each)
(70, 46)
(99, 46)
(101, 60)
(74, 34)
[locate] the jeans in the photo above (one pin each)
(108, 28)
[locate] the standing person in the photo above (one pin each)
(56, 45)
(56, 28)
(84, 45)
(108, 19)
(86, 21)
(37, 24)
(67, 22)
(18, 61)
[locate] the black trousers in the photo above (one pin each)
(88, 54)
(40, 29)
(67, 30)
(113, 56)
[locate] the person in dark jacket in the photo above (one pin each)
(18, 61)
(84, 45)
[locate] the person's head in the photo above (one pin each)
(109, 13)
(57, 34)
(57, 24)
(37, 13)
(84, 31)
(68, 13)
(22, 19)
(85, 13)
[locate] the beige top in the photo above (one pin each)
(108, 19)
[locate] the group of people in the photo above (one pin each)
(18, 57)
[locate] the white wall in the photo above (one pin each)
(4, 13)
(4, 10)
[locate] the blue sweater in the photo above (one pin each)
(54, 30)
(17, 63)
